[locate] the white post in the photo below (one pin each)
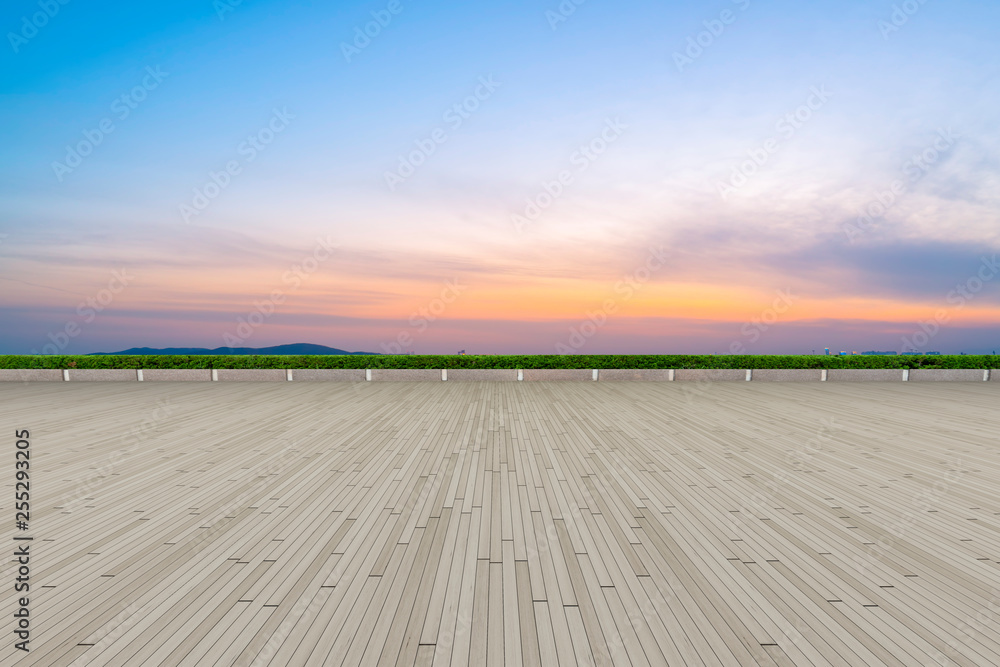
(444, 374)
(288, 374)
(520, 375)
(215, 375)
(595, 375)
(138, 374)
(749, 374)
(368, 375)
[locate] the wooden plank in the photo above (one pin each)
(514, 523)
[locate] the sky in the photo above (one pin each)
(533, 177)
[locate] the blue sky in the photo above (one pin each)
(840, 102)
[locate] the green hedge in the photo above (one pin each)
(501, 361)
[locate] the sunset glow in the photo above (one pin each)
(491, 178)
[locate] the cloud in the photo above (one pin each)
(829, 265)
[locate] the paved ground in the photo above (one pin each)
(507, 523)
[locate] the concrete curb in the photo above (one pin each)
(636, 375)
(328, 375)
(102, 375)
(865, 375)
(482, 375)
(946, 375)
(499, 375)
(558, 375)
(251, 375)
(176, 375)
(711, 375)
(31, 375)
(787, 375)
(405, 375)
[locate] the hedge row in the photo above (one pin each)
(500, 361)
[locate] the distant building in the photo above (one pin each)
(893, 353)
(827, 351)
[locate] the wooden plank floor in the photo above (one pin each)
(508, 523)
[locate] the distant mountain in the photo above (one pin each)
(294, 348)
